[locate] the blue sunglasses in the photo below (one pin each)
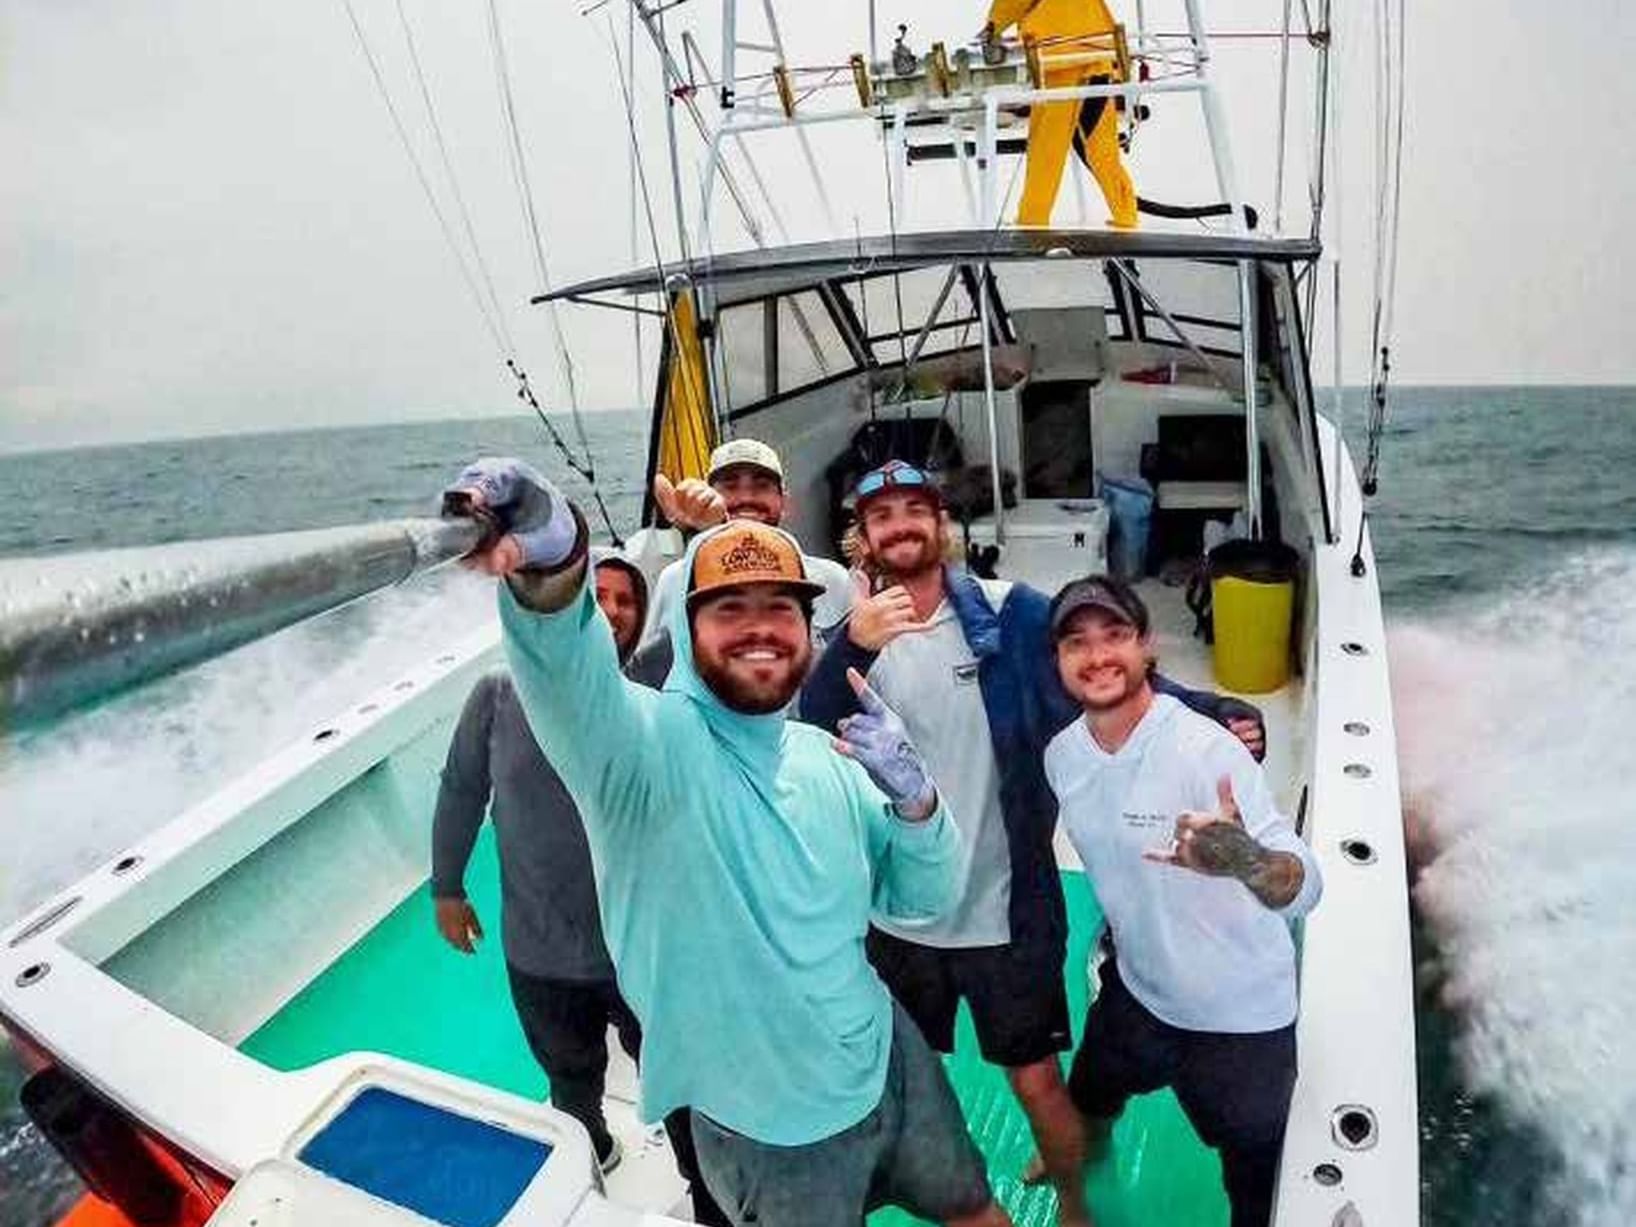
(895, 473)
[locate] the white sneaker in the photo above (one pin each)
(608, 1162)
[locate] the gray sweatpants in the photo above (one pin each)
(912, 1151)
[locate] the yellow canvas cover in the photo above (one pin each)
(687, 427)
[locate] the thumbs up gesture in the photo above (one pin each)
(689, 504)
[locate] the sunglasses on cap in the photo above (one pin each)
(894, 474)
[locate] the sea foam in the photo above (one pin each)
(1519, 773)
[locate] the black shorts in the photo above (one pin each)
(1235, 1088)
(1018, 1001)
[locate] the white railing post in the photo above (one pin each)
(729, 51)
(1252, 426)
(1215, 122)
(899, 160)
(989, 406)
(988, 164)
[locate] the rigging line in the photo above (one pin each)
(519, 171)
(892, 235)
(1319, 153)
(633, 226)
(525, 393)
(449, 175)
(494, 329)
(869, 358)
(1397, 159)
(677, 348)
(1389, 199)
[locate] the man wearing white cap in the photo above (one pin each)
(745, 482)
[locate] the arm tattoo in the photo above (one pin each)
(1226, 849)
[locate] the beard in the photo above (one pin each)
(754, 691)
(902, 564)
(753, 509)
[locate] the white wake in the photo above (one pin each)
(1515, 727)
(79, 791)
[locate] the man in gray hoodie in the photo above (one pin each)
(562, 981)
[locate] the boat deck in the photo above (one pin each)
(401, 991)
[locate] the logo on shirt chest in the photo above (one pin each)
(1144, 822)
(965, 674)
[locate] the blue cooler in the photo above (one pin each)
(1130, 517)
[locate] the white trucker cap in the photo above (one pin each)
(751, 452)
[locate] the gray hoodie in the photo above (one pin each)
(548, 908)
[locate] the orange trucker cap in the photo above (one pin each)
(748, 552)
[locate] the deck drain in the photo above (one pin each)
(1358, 851)
(1356, 727)
(1358, 771)
(33, 974)
(127, 863)
(41, 923)
(1327, 1174)
(1352, 648)
(1353, 1127)
(406, 684)
(446, 660)
(324, 734)
(369, 709)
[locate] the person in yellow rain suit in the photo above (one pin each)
(1054, 126)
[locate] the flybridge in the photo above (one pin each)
(940, 103)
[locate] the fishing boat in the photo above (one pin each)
(246, 1017)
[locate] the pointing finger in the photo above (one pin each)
(1160, 856)
(867, 698)
(1224, 794)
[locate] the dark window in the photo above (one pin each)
(1056, 439)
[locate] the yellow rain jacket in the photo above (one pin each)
(1054, 126)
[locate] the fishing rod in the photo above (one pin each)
(78, 637)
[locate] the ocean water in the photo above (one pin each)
(1505, 530)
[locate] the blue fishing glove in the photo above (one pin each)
(878, 740)
(518, 499)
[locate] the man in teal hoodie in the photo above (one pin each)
(738, 858)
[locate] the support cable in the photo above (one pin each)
(489, 310)
(647, 207)
(531, 224)
(450, 177)
(495, 327)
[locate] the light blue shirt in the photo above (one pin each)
(737, 860)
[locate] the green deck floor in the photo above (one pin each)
(401, 991)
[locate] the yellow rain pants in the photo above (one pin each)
(1054, 127)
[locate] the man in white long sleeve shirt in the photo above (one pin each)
(1199, 877)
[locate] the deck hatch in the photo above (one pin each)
(442, 1165)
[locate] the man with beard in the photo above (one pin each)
(745, 482)
(1199, 877)
(737, 858)
(969, 664)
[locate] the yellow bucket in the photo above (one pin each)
(1252, 598)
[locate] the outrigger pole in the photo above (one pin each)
(148, 612)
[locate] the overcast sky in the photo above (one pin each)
(208, 223)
